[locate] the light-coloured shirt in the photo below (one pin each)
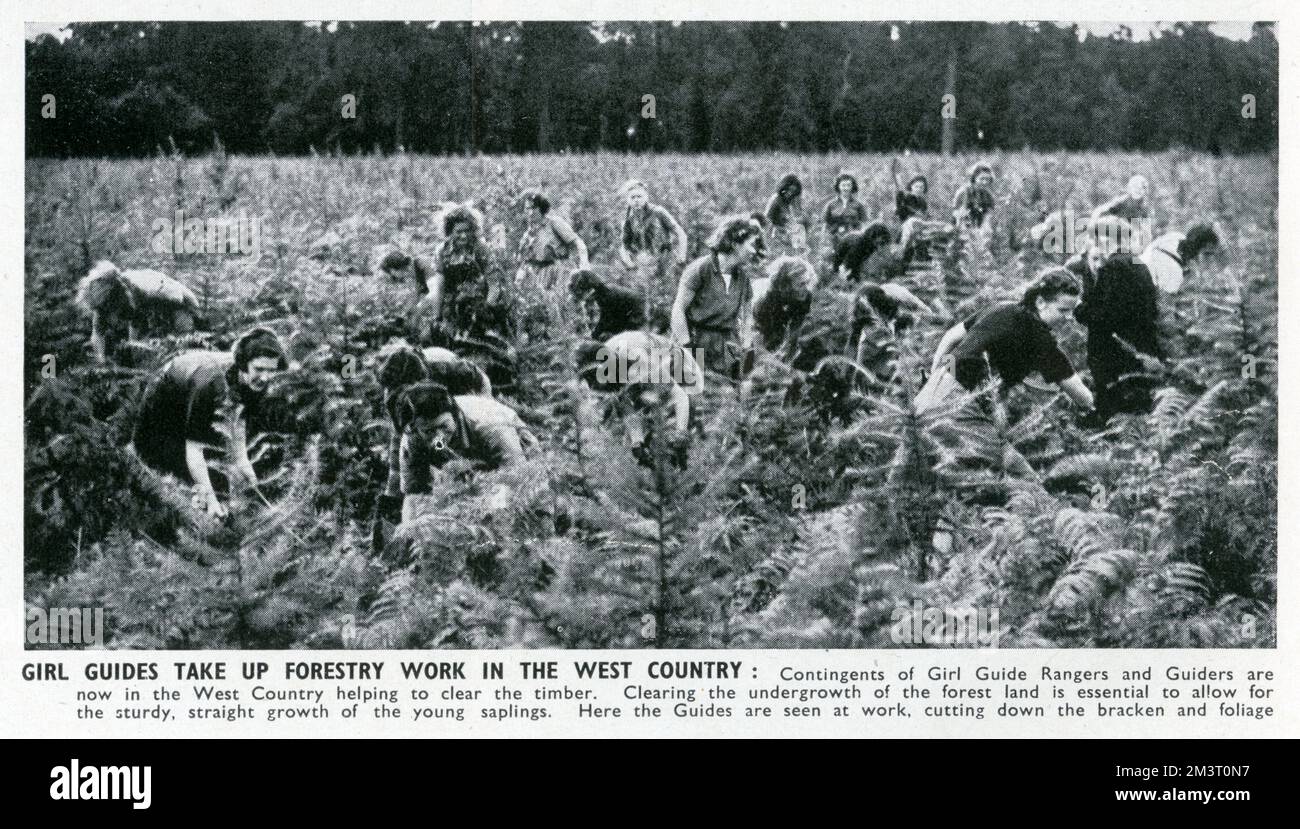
(551, 241)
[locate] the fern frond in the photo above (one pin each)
(1091, 579)
(1092, 466)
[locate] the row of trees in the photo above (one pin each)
(122, 89)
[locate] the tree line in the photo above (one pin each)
(129, 89)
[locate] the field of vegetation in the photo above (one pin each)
(783, 530)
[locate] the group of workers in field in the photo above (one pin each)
(653, 336)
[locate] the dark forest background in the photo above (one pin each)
(124, 89)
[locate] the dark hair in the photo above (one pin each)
(394, 260)
(787, 302)
(458, 214)
(424, 399)
(402, 368)
(879, 301)
(731, 233)
(259, 342)
(977, 168)
(534, 198)
(1199, 237)
(788, 180)
(920, 178)
(1050, 284)
(851, 180)
(784, 270)
(876, 235)
(583, 281)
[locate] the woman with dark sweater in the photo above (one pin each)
(713, 310)
(1014, 341)
(786, 204)
(1121, 311)
(911, 200)
(843, 213)
(973, 204)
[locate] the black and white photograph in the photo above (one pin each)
(650, 334)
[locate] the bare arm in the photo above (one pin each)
(745, 324)
(394, 483)
(435, 285)
(685, 295)
(905, 297)
(238, 448)
(570, 237)
(1104, 208)
(1077, 391)
(960, 210)
(950, 339)
(97, 338)
(197, 463)
(681, 245)
(681, 408)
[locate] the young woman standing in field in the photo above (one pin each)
(843, 213)
(465, 297)
(548, 244)
(911, 202)
(652, 241)
(973, 203)
(1014, 340)
(713, 310)
(784, 214)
